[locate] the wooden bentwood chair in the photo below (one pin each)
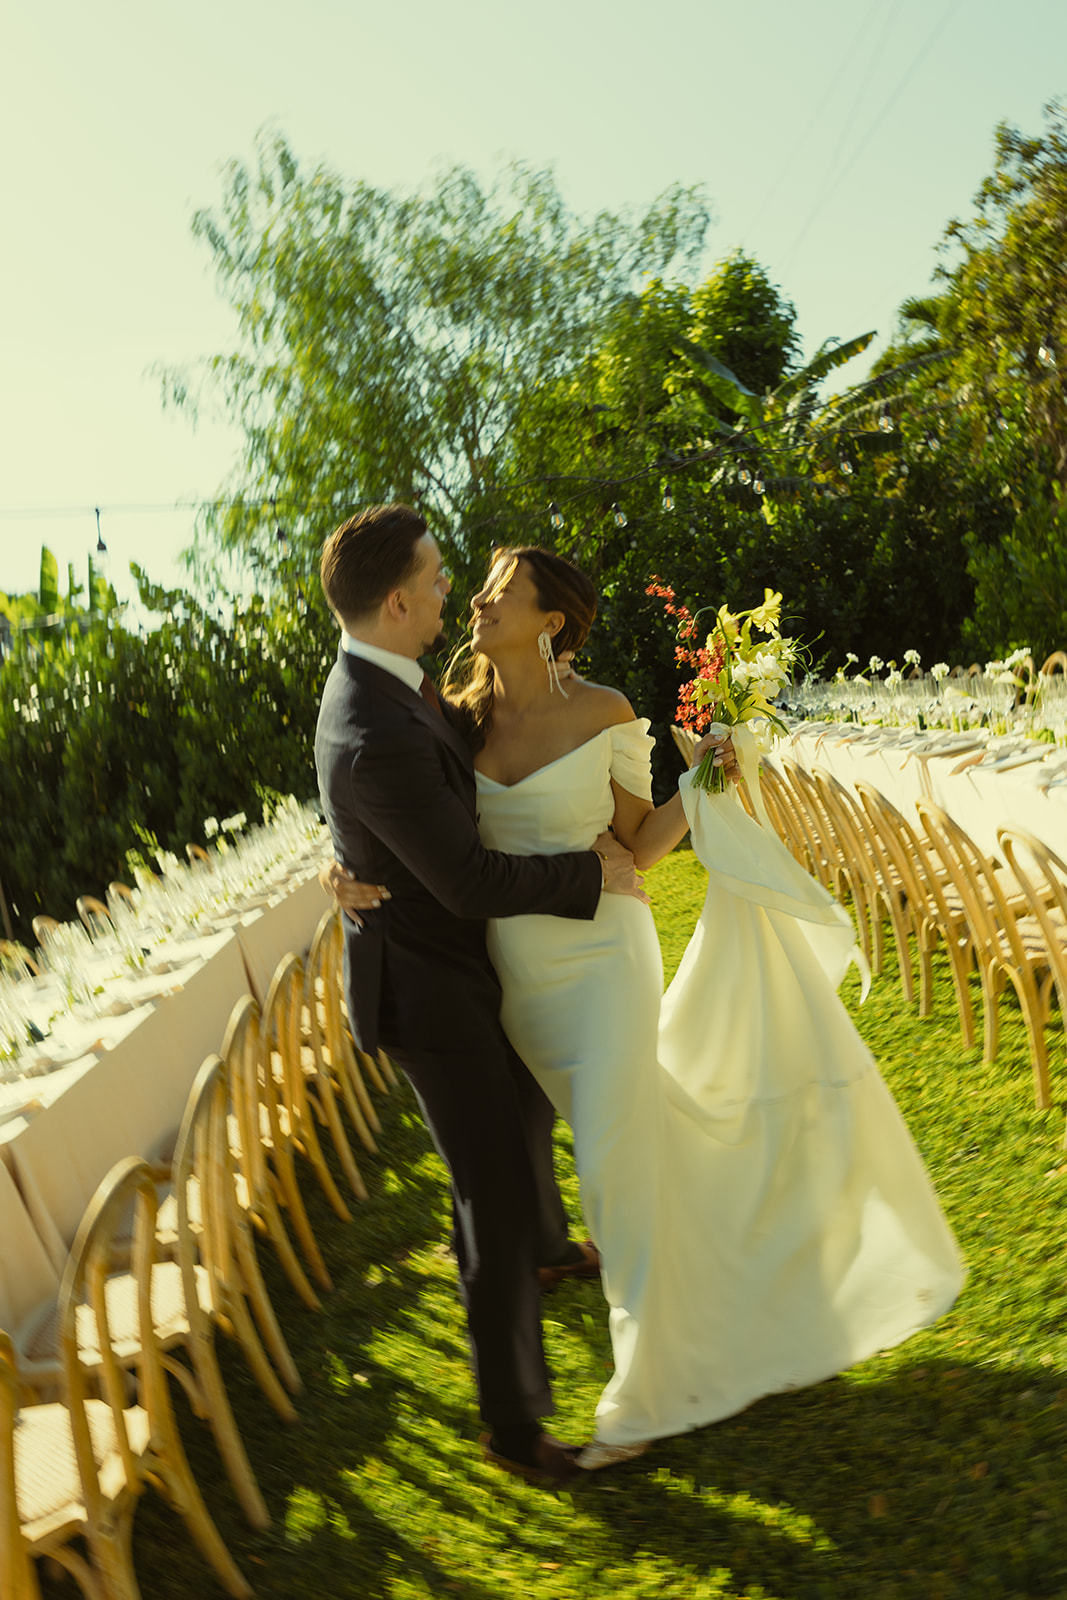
(81, 1464)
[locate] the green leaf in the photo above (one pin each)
(827, 359)
(874, 444)
(724, 384)
(705, 359)
(48, 590)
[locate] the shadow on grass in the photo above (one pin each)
(937, 1480)
(915, 1475)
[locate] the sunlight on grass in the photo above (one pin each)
(935, 1471)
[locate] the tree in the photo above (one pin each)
(390, 343)
(989, 430)
(119, 734)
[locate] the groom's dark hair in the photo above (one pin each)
(367, 557)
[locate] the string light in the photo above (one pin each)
(846, 466)
(744, 477)
(758, 485)
(932, 442)
(555, 516)
(1046, 353)
(619, 514)
(668, 498)
(885, 418)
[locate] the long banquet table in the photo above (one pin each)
(1031, 795)
(61, 1133)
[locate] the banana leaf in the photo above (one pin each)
(724, 384)
(894, 375)
(825, 361)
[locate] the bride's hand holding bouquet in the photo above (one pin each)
(736, 677)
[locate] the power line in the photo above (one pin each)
(788, 166)
(29, 513)
(889, 18)
(902, 83)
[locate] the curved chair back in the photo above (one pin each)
(17, 960)
(330, 1076)
(684, 742)
(149, 1448)
(282, 1084)
(257, 1101)
(95, 915)
(43, 928)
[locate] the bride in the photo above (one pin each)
(763, 1216)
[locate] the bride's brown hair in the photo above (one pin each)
(559, 586)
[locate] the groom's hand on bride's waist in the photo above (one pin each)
(620, 875)
(351, 895)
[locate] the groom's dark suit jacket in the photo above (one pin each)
(398, 789)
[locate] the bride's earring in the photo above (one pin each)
(544, 650)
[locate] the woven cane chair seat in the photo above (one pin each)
(48, 1486)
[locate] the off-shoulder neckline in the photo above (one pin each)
(482, 777)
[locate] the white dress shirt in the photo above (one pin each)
(401, 667)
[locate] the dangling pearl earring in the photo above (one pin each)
(544, 650)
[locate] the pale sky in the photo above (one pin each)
(835, 139)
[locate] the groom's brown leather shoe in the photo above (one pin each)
(551, 1462)
(586, 1266)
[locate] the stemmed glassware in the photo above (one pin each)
(14, 1025)
(958, 703)
(68, 951)
(179, 902)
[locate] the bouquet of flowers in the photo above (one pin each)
(735, 677)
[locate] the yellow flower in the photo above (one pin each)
(727, 624)
(767, 616)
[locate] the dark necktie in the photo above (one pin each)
(429, 694)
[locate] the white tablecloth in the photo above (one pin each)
(979, 799)
(272, 932)
(126, 1092)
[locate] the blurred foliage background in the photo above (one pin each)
(486, 355)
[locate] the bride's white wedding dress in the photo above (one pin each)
(763, 1215)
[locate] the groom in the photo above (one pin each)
(398, 789)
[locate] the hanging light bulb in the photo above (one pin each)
(846, 466)
(758, 485)
(668, 498)
(1046, 353)
(555, 516)
(1000, 419)
(744, 476)
(619, 514)
(932, 442)
(885, 419)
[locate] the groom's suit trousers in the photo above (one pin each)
(399, 793)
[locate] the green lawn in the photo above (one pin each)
(939, 1469)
